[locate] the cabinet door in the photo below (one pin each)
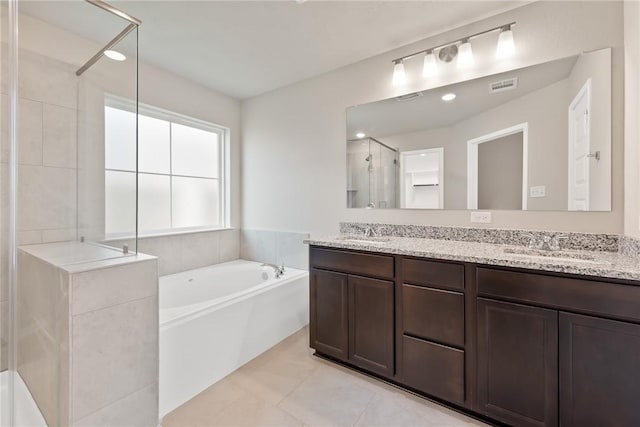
(328, 313)
(599, 380)
(371, 324)
(518, 363)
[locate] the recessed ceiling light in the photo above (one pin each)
(448, 96)
(360, 135)
(116, 56)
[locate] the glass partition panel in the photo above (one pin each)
(53, 177)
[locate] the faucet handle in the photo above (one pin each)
(554, 242)
(369, 232)
(532, 244)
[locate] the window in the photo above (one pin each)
(181, 179)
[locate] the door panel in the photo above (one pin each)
(328, 313)
(518, 363)
(371, 324)
(599, 382)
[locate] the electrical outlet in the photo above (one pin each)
(539, 191)
(481, 217)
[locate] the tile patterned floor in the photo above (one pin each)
(287, 386)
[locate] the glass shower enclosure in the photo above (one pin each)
(59, 76)
(372, 174)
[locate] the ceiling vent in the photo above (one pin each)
(408, 96)
(507, 84)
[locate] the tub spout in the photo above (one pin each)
(279, 271)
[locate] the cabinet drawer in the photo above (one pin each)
(433, 273)
(433, 369)
(433, 314)
(587, 296)
(352, 262)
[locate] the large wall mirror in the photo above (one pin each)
(535, 138)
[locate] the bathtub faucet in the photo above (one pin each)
(278, 270)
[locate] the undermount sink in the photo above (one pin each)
(363, 239)
(551, 255)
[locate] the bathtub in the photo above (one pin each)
(215, 319)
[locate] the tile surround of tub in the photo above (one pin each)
(182, 252)
(40, 340)
(578, 241)
(100, 338)
(275, 247)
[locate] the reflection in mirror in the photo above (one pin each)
(372, 178)
(535, 138)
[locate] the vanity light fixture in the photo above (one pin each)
(460, 48)
(399, 76)
(115, 55)
(360, 135)
(430, 67)
(506, 47)
(465, 55)
(448, 97)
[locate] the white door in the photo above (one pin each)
(579, 149)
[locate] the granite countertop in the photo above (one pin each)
(590, 263)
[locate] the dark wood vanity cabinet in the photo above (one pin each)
(431, 331)
(599, 378)
(371, 308)
(518, 363)
(351, 315)
(520, 347)
(329, 327)
(552, 350)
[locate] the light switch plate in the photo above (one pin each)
(539, 191)
(481, 217)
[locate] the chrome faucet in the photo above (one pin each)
(546, 243)
(369, 232)
(279, 271)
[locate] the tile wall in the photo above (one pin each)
(88, 339)
(47, 144)
(275, 247)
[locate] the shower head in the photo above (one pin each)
(368, 158)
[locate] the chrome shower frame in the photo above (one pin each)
(134, 23)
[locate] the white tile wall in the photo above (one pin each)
(114, 354)
(47, 145)
(88, 341)
(46, 198)
(183, 252)
(59, 136)
(98, 289)
(139, 409)
(276, 247)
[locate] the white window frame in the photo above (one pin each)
(223, 178)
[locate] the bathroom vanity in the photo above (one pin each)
(520, 339)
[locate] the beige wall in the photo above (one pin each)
(632, 121)
(299, 131)
(500, 173)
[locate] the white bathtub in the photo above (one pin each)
(215, 319)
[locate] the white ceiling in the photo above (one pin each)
(244, 48)
(429, 111)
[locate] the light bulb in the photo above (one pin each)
(430, 67)
(360, 135)
(448, 96)
(115, 55)
(399, 76)
(506, 47)
(465, 55)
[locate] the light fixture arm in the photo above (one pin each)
(454, 42)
